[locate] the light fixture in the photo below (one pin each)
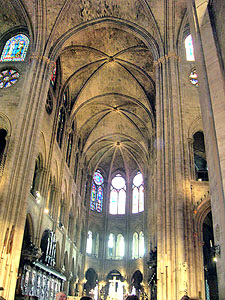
(215, 259)
(46, 211)
(37, 194)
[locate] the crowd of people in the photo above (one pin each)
(129, 297)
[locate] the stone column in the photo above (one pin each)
(172, 266)
(20, 168)
(211, 95)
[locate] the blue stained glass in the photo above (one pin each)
(98, 178)
(189, 48)
(15, 48)
(93, 197)
(99, 199)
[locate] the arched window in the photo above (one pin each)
(96, 244)
(120, 246)
(200, 160)
(61, 126)
(76, 167)
(15, 48)
(3, 134)
(53, 75)
(89, 243)
(96, 202)
(189, 48)
(141, 244)
(135, 246)
(138, 248)
(69, 146)
(61, 214)
(36, 177)
(117, 196)
(138, 194)
(51, 191)
(70, 224)
(111, 246)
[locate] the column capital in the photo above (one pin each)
(165, 58)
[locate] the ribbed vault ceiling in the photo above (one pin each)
(110, 77)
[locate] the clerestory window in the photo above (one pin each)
(117, 196)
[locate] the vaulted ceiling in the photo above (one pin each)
(111, 80)
(107, 65)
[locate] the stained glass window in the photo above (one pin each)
(49, 104)
(193, 77)
(69, 146)
(53, 76)
(15, 48)
(189, 48)
(138, 194)
(117, 196)
(97, 190)
(61, 126)
(8, 78)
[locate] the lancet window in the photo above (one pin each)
(61, 126)
(15, 48)
(117, 196)
(189, 48)
(138, 194)
(89, 243)
(138, 245)
(96, 203)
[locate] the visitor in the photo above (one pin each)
(86, 298)
(132, 297)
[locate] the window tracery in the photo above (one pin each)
(117, 196)
(193, 77)
(8, 78)
(15, 48)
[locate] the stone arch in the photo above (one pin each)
(5, 123)
(201, 212)
(91, 277)
(155, 46)
(136, 280)
(195, 126)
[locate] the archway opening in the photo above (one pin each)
(115, 285)
(209, 256)
(91, 285)
(200, 161)
(136, 280)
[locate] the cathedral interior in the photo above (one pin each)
(112, 149)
